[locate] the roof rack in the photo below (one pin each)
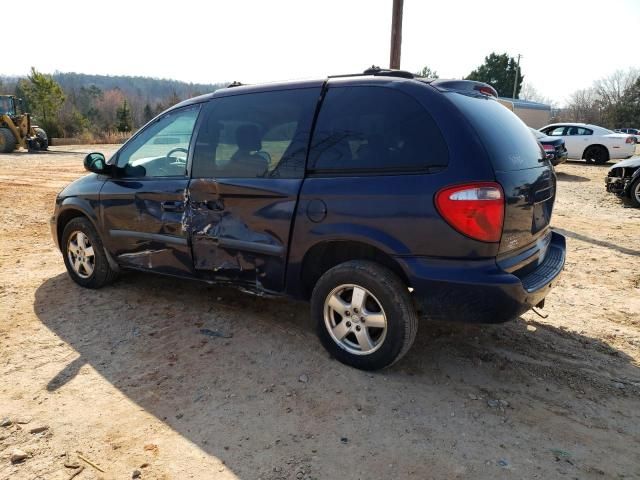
(377, 71)
(388, 72)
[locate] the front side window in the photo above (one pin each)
(161, 150)
(256, 135)
(365, 128)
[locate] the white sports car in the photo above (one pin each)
(593, 143)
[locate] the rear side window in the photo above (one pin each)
(375, 129)
(507, 139)
(255, 135)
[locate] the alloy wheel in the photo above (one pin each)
(81, 255)
(355, 319)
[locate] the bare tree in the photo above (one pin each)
(583, 106)
(611, 89)
(530, 93)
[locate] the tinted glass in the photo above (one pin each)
(161, 150)
(507, 139)
(556, 132)
(375, 128)
(256, 135)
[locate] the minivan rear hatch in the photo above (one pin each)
(528, 180)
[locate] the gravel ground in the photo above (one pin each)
(124, 375)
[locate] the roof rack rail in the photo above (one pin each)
(388, 72)
(235, 83)
(374, 70)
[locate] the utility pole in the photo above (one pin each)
(396, 34)
(515, 82)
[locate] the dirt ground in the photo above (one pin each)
(124, 375)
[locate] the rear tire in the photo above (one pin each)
(7, 141)
(634, 193)
(364, 315)
(597, 154)
(43, 140)
(84, 255)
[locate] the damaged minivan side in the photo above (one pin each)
(378, 197)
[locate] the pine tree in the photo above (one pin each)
(123, 116)
(499, 71)
(147, 113)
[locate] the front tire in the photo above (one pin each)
(84, 255)
(597, 154)
(364, 315)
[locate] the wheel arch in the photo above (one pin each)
(600, 145)
(76, 208)
(70, 209)
(326, 254)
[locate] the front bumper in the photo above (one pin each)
(53, 224)
(479, 291)
(617, 185)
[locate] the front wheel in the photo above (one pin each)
(364, 314)
(84, 255)
(7, 141)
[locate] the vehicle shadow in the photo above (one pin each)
(238, 391)
(568, 177)
(608, 164)
(600, 243)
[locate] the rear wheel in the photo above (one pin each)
(84, 255)
(597, 154)
(634, 193)
(42, 139)
(364, 314)
(7, 141)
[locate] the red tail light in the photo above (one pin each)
(630, 140)
(474, 209)
(549, 148)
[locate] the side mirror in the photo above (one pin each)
(96, 163)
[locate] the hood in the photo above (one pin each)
(631, 162)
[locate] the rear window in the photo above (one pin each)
(363, 128)
(507, 139)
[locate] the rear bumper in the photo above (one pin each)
(480, 291)
(559, 157)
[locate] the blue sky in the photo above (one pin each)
(565, 45)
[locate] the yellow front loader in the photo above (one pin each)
(16, 130)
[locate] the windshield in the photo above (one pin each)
(6, 106)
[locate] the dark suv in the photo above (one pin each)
(379, 196)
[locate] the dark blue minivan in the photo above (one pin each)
(380, 197)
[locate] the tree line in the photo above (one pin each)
(92, 107)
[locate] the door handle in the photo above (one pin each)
(172, 206)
